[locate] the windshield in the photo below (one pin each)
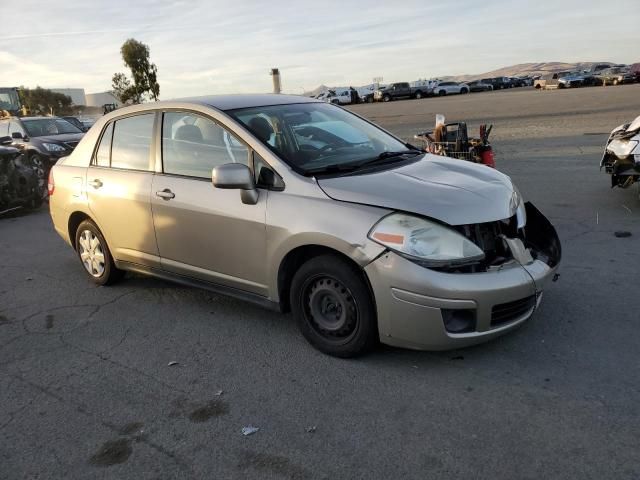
(41, 127)
(313, 136)
(9, 99)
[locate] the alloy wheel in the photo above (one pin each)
(91, 253)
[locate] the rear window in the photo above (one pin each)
(131, 145)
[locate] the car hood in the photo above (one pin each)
(62, 138)
(456, 192)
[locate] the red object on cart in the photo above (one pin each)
(486, 157)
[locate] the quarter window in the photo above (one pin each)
(131, 145)
(103, 154)
(192, 145)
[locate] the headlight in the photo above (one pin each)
(517, 204)
(53, 147)
(622, 148)
(432, 244)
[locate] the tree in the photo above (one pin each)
(42, 101)
(145, 85)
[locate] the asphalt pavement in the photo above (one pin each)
(146, 379)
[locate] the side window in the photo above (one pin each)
(192, 145)
(131, 143)
(103, 154)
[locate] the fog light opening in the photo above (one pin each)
(459, 321)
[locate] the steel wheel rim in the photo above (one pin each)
(91, 253)
(330, 309)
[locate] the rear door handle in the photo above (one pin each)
(166, 194)
(95, 183)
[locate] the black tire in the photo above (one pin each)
(110, 274)
(442, 93)
(418, 95)
(386, 98)
(333, 308)
(464, 91)
(369, 99)
(615, 82)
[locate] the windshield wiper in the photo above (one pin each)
(384, 157)
(333, 168)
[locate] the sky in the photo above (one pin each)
(206, 47)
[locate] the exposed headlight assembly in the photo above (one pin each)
(622, 148)
(425, 241)
(53, 147)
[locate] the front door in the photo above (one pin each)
(205, 232)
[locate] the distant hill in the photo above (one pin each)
(511, 71)
(529, 69)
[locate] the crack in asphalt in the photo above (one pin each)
(80, 408)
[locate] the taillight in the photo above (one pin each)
(51, 185)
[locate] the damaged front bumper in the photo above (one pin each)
(425, 309)
(621, 158)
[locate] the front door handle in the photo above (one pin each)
(95, 183)
(166, 194)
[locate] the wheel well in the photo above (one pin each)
(75, 220)
(294, 260)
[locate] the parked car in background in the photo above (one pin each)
(450, 88)
(635, 71)
(549, 81)
(76, 122)
(497, 83)
(396, 91)
(615, 76)
(361, 236)
(43, 140)
(341, 97)
(571, 80)
(479, 86)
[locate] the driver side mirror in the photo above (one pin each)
(17, 135)
(236, 176)
(5, 140)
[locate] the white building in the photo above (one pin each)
(77, 95)
(100, 99)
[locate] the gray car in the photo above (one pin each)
(302, 206)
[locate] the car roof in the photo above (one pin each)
(37, 117)
(233, 101)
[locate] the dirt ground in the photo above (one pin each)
(86, 390)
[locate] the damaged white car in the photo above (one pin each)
(621, 158)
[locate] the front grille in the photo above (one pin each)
(507, 312)
(71, 145)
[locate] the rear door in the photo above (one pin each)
(119, 188)
(205, 232)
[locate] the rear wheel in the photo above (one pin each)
(442, 93)
(386, 98)
(464, 90)
(95, 255)
(333, 307)
(418, 95)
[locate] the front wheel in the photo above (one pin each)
(386, 98)
(418, 95)
(333, 308)
(95, 255)
(442, 93)
(464, 91)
